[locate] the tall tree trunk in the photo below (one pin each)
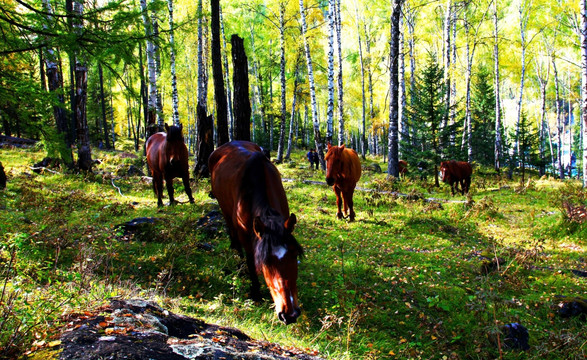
(174, 95)
(330, 72)
(317, 137)
(542, 125)
(559, 122)
(370, 80)
(392, 164)
(498, 141)
(293, 107)
(227, 80)
(152, 126)
(219, 93)
(281, 144)
(523, 24)
(338, 27)
(411, 19)
(103, 103)
(55, 87)
(84, 152)
(584, 87)
(403, 128)
(361, 126)
(158, 66)
(202, 74)
(242, 105)
(447, 62)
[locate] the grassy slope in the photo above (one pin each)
(404, 280)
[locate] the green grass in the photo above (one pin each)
(403, 281)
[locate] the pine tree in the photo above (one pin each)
(483, 118)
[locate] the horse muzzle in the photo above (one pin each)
(330, 181)
(289, 318)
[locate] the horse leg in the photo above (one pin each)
(337, 192)
(158, 187)
(467, 184)
(169, 184)
(255, 286)
(348, 204)
(186, 185)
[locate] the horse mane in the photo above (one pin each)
(253, 186)
(174, 134)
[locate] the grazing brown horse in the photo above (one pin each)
(343, 171)
(403, 167)
(455, 172)
(167, 157)
(252, 199)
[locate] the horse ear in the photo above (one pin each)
(290, 222)
(329, 145)
(342, 147)
(180, 127)
(258, 226)
(166, 128)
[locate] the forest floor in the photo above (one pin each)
(411, 278)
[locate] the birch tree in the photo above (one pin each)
(524, 13)
(392, 164)
(330, 71)
(174, 96)
(317, 137)
(584, 86)
(226, 80)
(281, 143)
(361, 126)
(152, 73)
(498, 141)
(338, 27)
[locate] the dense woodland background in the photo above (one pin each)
(88, 73)
(420, 274)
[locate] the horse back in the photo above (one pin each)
(239, 169)
(353, 164)
(460, 169)
(154, 148)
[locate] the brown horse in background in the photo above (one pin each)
(343, 171)
(455, 172)
(402, 166)
(167, 157)
(252, 199)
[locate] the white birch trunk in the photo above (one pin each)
(174, 96)
(559, 122)
(202, 77)
(523, 25)
(584, 87)
(151, 66)
(280, 147)
(330, 73)
(498, 140)
(402, 84)
(338, 26)
(316, 123)
(361, 126)
(447, 60)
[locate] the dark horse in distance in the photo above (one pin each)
(343, 171)
(252, 199)
(455, 173)
(167, 157)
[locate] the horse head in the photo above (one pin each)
(333, 163)
(276, 256)
(444, 172)
(174, 133)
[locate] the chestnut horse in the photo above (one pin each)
(343, 171)
(403, 167)
(252, 199)
(455, 172)
(167, 157)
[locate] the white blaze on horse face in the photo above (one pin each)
(279, 252)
